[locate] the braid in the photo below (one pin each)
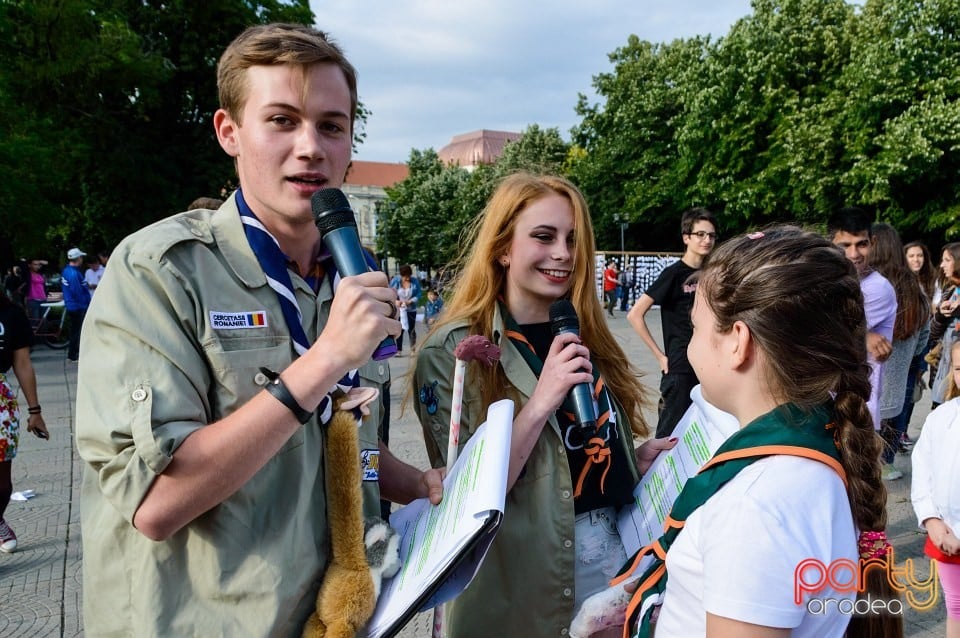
(860, 448)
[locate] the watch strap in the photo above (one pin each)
(281, 393)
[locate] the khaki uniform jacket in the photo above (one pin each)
(157, 365)
(525, 588)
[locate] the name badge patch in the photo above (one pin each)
(237, 320)
(370, 464)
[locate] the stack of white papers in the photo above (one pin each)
(701, 431)
(442, 546)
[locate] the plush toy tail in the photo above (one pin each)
(346, 600)
(344, 494)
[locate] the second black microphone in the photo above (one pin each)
(563, 320)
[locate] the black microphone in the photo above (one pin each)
(563, 320)
(337, 224)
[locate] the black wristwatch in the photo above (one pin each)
(280, 392)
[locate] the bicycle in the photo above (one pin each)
(52, 328)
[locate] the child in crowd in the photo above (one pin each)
(944, 327)
(779, 342)
(936, 475)
(433, 308)
(408, 298)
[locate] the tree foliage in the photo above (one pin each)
(426, 216)
(106, 110)
(803, 106)
(629, 163)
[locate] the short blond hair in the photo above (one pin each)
(274, 44)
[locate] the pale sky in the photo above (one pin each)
(432, 69)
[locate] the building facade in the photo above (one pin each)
(365, 186)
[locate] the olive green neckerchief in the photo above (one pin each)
(784, 430)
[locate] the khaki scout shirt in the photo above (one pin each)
(525, 588)
(155, 369)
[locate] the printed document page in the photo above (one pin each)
(457, 531)
(701, 431)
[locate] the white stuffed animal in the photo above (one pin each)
(605, 609)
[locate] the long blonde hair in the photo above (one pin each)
(481, 281)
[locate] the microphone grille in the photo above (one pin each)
(563, 317)
(331, 210)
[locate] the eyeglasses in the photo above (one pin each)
(702, 234)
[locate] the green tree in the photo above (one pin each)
(538, 150)
(759, 154)
(901, 115)
(426, 216)
(627, 160)
(106, 110)
(802, 106)
(409, 215)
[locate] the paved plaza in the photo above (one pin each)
(40, 584)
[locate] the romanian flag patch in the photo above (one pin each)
(236, 320)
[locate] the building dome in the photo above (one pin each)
(479, 147)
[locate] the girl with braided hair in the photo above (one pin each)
(779, 341)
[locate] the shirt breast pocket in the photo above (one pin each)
(235, 368)
(374, 374)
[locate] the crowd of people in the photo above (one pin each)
(202, 417)
(25, 289)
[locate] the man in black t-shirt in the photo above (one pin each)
(673, 291)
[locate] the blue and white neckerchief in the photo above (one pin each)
(274, 263)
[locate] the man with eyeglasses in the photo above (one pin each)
(673, 291)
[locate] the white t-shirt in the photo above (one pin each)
(737, 555)
(93, 277)
(935, 484)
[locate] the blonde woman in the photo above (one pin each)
(558, 545)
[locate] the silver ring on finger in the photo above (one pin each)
(394, 311)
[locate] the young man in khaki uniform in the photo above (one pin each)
(203, 507)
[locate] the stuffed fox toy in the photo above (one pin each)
(348, 594)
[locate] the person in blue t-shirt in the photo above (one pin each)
(76, 298)
(433, 308)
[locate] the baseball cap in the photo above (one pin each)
(75, 253)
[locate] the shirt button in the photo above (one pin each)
(260, 378)
(565, 493)
(567, 543)
(139, 394)
(560, 450)
(563, 632)
(567, 592)
(380, 370)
